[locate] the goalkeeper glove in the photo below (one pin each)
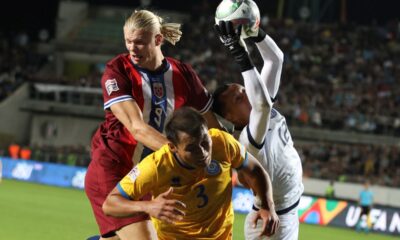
(231, 40)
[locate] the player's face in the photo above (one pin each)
(142, 46)
(195, 151)
(237, 105)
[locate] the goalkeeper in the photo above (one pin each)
(265, 133)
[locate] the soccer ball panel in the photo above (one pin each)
(243, 12)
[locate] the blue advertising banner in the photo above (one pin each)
(45, 173)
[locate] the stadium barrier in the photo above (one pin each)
(312, 210)
(44, 173)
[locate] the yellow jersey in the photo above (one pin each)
(207, 192)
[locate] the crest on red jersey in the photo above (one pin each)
(111, 86)
(158, 89)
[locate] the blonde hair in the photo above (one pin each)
(146, 20)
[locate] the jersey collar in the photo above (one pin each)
(182, 164)
(164, 67)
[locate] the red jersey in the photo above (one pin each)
(157, 93)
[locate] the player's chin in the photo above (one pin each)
(136, 58)
(204, 162)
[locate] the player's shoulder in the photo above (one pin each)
(216, 133)
(174, 61)
(181, 66)
(162, 155)
(276, 118)
(275, 114)
(158, 162)
(120, 58)
(118, 61)
(220, 136)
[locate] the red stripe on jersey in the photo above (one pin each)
(179, 86)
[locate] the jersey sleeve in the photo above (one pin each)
(273, 60)
(140, 180)
(115, 85)
(198, 96)
(261, 107)
(237, 152)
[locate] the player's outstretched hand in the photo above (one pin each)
(166, 209)
(270, 222)
(230, 38)
(228, 35)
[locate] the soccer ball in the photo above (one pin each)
(243, 12)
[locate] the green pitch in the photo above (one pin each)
(33, 211)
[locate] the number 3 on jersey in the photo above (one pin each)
(200, 194)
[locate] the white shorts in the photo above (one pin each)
(288, 227)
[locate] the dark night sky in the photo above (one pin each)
(32, 16)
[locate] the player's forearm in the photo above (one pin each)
(149, 136)
(261, 105)
(130, 115)
(118, 206)
(262, 187)
(273, 61)
(269, 49)
(259, 181)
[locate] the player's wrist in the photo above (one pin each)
(260, 36)
(246, 64)
(270, 206)
(242, 58)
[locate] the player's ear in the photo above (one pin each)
(172, 147)
(159, 39)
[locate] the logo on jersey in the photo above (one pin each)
(158, 89)
(111, 86)
(134, 173)
(214, 168)
(273, 113)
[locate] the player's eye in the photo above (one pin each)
(205, 144)
(238, 99)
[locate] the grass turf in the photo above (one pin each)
(33, 211)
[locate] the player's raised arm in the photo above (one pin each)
(253, 175)
(272, 56)
(257, 94)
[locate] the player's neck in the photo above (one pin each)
(156, 63)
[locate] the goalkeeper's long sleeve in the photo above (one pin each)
(272, 68)
(261, 107)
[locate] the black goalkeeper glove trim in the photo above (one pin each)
(231, 40)
(260, 36)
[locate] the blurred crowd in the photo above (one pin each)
(68, 155)
(341, 77)
(19, 61)
(351, 162)
(335, 76)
